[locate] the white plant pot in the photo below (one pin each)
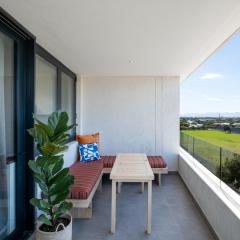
(65, 234)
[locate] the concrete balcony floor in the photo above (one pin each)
(175, 214)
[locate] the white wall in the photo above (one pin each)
(133, 114)
(222, 213)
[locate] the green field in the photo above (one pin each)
(205, 146)
(219, 152)
(228, 141)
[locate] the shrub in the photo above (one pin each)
(231, 172)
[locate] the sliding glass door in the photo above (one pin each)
(55, 90)
(16, 146)
(7, 137)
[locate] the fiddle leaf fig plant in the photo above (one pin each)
(53, 179)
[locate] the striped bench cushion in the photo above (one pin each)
(154, 161)
(86, 176)
(157, 162)
(108, 161)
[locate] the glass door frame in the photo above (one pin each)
(24, 75)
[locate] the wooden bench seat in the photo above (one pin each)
(88, 178)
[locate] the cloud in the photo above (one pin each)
(211, 76)
(213, 99)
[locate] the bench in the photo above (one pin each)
(88, 179)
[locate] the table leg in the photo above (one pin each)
(149, 208)
(142, 187)
(113, 220)
(119, 187)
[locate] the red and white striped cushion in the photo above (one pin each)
(154, 161)
(86, 176)
(108, 161)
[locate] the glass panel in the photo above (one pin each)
(45, 89)
(230, 173)
(67, 97)
(7, 130)
(206, 153)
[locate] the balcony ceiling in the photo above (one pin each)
(129, 37)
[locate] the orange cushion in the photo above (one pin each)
(85, 139)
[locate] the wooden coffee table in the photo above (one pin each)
(132, 167)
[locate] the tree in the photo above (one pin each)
(227, 129)
(230, 173)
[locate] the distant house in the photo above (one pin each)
(236, 125)
(222, 124)
(195, 125)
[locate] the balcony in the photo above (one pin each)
(187, 205)
(175, 214)
(116, 68)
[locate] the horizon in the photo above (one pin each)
(210, 115)
(214, 86)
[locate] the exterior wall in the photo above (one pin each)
(222, 213)
(70, 156)
(133, 114)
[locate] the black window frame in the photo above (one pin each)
(24, 72)
(26, 50)
(61, 68)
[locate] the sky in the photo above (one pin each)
(215, 85)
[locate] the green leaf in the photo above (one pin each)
(41, 136)
(35, 202)
(53, 120)
(43, 218)
(61, 139)
(63, 184)
(71, 127)
(42, 160)
(45, 127)
(51, 148)
(44, 188)
(32, 132)
(39, 178)
(62, 123)
(44, 204)
(56, 199)
(59, 176)
(65, 207)
(41, 205)
(34, 167)
(57, 167)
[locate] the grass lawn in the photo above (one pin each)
(206, 146)
(228, 141)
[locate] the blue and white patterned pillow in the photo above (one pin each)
(88, 152)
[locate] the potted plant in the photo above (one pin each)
(54, 180)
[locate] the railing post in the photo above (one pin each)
(220, 163)
(193, 146)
